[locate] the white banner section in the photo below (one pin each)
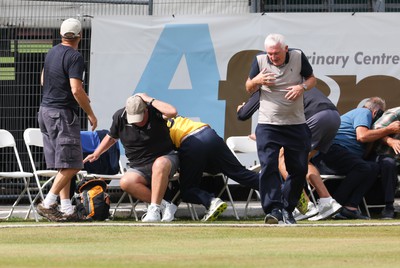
(181, 60)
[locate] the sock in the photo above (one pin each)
(49, 200)
(156, 205)
(66, 206)
(325, 200)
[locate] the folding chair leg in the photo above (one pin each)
(366, 207)
(226, 188)
(192, 211)
(311, 193)
(247, 203)
(31, 207)
(133, 207)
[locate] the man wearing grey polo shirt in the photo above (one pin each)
(283, 75)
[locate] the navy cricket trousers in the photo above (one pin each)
(205, 151)
(296, 141)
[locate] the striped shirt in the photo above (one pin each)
(388, 117)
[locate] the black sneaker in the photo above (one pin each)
(288, 217)
(352, 214)
(387, 214)
(52, 213)
(274, 217)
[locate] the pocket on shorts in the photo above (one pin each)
(72, 118)
(70, 149)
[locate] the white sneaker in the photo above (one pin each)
(326, 210)
(216, 208)
(311, 211)
(168, 211)
(153, 214)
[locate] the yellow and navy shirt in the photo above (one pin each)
(180, 127)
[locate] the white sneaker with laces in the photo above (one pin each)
(326, 210)
(168, 211)
(312, 211)
(216, 208)
(153, 214)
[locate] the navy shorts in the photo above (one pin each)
(61, 138)
(146, 170)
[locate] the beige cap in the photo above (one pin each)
(70, 28)
(134, 108)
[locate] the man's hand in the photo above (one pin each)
(91, 158)
(294, 92)
(265, 78)
(394, 127)
(93, 121)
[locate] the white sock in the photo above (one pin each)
(66, 206)
(156, 205)
(50, 200)
(325, 200)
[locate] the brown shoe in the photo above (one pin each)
(52, 213)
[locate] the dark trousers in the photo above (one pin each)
(205, 151)
(296, 140)
(388, 177)
(360, 174)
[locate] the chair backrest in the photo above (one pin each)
(6, 139)
(245, 150)
(241, 144)
(33, 137)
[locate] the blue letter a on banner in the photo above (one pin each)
(193, 43)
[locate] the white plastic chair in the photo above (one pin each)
(33, 139)
(244, 149)
(7, 141)
(34, 143)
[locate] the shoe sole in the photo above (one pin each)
(304, 217)
(218, 211)
(325, 215)
(269, 219)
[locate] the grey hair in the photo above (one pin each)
(275, 39)
(375, 103)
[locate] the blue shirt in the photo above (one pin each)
(346, 135)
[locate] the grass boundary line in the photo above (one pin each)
(235, 225)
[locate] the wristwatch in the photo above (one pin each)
(304, 86)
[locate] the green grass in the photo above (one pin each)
(189, 244)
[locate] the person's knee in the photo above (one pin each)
(69, 172)
(388, 162)
(162, 165)
(129, 182)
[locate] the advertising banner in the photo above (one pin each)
(200, 64)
